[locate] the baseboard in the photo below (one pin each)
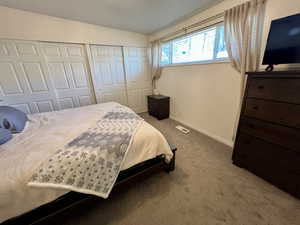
(202, 131)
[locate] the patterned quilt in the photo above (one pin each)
(91, 162)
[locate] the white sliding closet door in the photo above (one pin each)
(69, 73)
(138, 77)
(24, 79)
(41, 77)
(109, 77)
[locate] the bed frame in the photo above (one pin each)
(129, 175)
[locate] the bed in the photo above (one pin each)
(47, 132)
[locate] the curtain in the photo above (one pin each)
(156, 68)
(243, 35)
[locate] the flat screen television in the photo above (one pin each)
(283, 45)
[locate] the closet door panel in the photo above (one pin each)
(138, 77)
(66, 103)
(9, 79)
(24, 79)
(69, 73)
(35, 77)
(113, 96)
(59, 75)
(109, 74)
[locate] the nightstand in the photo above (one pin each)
(159, 106)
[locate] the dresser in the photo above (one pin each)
(159, 106)
(268, 138)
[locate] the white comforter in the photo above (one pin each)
(43, 135)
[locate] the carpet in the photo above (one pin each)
(205, 189)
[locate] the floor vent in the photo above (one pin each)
(183, 129)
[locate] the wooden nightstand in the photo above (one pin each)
(159, 106)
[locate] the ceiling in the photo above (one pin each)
(143, 16)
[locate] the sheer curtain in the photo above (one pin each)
(243, 33)
(156, 68)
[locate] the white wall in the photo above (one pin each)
(18, 24)
(205, 97)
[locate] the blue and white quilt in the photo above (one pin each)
(91, 162)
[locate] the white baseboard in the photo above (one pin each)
(213, 136)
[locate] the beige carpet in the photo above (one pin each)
(205, 189)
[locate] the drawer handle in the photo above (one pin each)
(261, 87)
(255, 107)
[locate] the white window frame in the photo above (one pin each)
(214, 60)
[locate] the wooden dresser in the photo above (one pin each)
(268, 139)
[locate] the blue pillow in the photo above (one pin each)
(5, 136)
(12, 119)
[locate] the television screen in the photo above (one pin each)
(283, 46)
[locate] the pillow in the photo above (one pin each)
(12, 119)
(5, 136)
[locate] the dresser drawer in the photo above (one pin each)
(252, 148)
(280, 135)
(277, 165)
(282, 113)
(279, 89)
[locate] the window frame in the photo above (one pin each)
(197, 62)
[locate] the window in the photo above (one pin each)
(204, 46)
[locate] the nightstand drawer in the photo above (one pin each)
(281, 113)
(279, 89)
(281, 135)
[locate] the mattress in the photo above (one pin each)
(43, 135)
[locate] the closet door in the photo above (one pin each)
(24, 79)
(109, 77)
(69, 73)
(138, 77)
